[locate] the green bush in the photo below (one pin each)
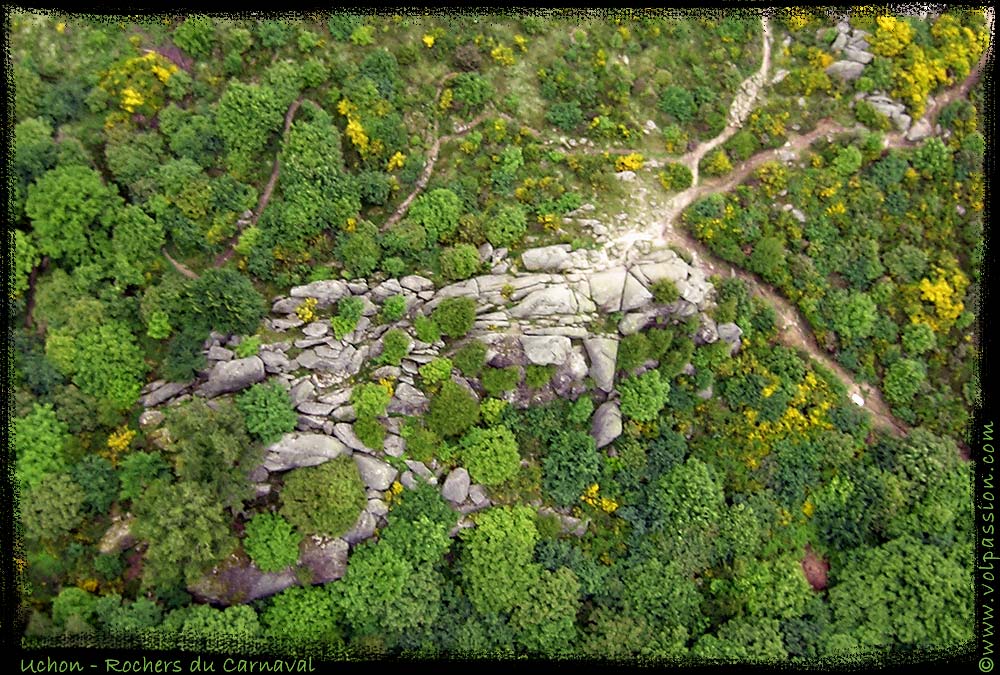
(496, 381)
(633, 351)
(675, 176)
(436, 371)
(248, 346)
(324, 499)
(268, 411)
(52, 507)
(564, 114)
(507, 226)
(678, 103)
(370, 432)
(370, 400)
(643, 396)
(537, 377)
(139, 470)
(196, 36)
(902, 380)
(395, 345)
(570, 464)
(426, 329)
(393, 308)
(452, 410)
(455, 316)
(470, 358)
(490, 455)
(421, 442)
(459, 262)
(665, 291)
(271, 542)
(349, 310)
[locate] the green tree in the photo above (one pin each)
(507, 226)
(437, 211)
(138, 471)
(546, 623)
(491, 455)
(99, 481)
(267, 410)
(271, 542)
(26, 258)
(452, 410)
(497, 571)
(324, 499)
(39, 440)
(223, 300)
(455, 316)
(918, 338)
(459, 262)
(109, 365)
(570, 464)
(186, 528)
(855, 315)
(678, 103)
(246, 116)
(644, 396)
(53, 507)
(196, 36)
(309, 615)
(768, 259)
(902, 380)
(742, 640)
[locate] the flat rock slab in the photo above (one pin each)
(235, 375)
(544, 350)
(326, 292)
(375, 473)
(297, 449)
(547, 258)
(240, 582)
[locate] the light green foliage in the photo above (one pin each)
(855, 315)
(271, 542)
(675, 176)
(470, 358)
(426, 329)
(136, 241)
(580, 410)
(186, 528)
(370, 431)
(324, 499)
(507, 226)
(219, 630)
(267, 410)
(73, 602)
(393, 308)
(496, 381)
(847, 162)
(455, 316)
(248, 346)
(309, 614)
(743, 640)
(472, 90)
(69, 209)
(26, 258)
(395, 345)
(918, 338)
(537, 377)
(137, 472)
(370, 400)
(348, 312)
(436, 371)
(545, 624)
(662, 592)
(422, 444)
(643, 396)
(452, 410)
(459, 262)
(361, 250)
(246, 117)
(902, 380)
(633, 351)
(497, 571)
(109, 364)
(438, 212)
(39, 438)
(490, 455)
(196, 36)
(52, 507)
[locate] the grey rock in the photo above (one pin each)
(301, 392)
(625, 176)
(376, 474)
(919, 131)
(548, 258)
(386, 290)
(357, 286)
(164, 393)
(118, 537)
(602, 353)
(338, 397)
(634, 322)
(902, 121)
(606, 425)
(707, 333)
(409, 481)
(377, 507)
(237, 581)
(310, 423)
(315, 329)
(286, 305)
(546, 350)
(275, 362)
(325, 558)
(298, 449)
(420, 469)
(845, 70)
(345, 413)
(395, 445)
(606, 288)
(416, 283)
(408, 400)
(705, 393)
(485, 252)
(306, 343)
(386, 373)
(729, 332)
(634, 294)
(839, 43)
(150, 419)
(478, 496)
(315, 408)
(456, 486)
(345, 433)
(858, 56)
(311, 360)
(363, 529)
(798, 215)
(230, 376)
(217, 353)
(326, 292)
(548, 301)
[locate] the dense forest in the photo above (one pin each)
(611, 335)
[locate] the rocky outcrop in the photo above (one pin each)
(296, 450)
(606, 424)
(602, 352)
(231, 376)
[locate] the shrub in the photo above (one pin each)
(324, 499)
(470, 358)
(455, 316)
(196, 36)
(902, 380)
(224, 300)
(393, 308)
(436, 371)
(717, 164)
(99, 481)
(370, 432)
(184, 356)
(421, 442)
(268, 411)
(395, 345)
(496, 381)
(349, 310)
(643, 397)
(490, 455)
(452, 410)
(491, 410)
(665, 291)
(248, 346)
(675, 176)
(271, 542)
(507, 226)
(918, 338)
(537, 377)
(564, 114)
(52, 507)
(139, 470)
(570, 464)
(580, 410)
(633, 351)
(370, 400)
(459, 262)
(39, 439)
(678, 103)
(426, 329)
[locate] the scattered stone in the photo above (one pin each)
(625, 176)
(409, 481)
(858, 56)
(315, 408)
(345, 432)
(919, 131)
(456, 486)
(150, 419)
(478, 496)
(230, 376)
(607, 424)
(325, 558)
(164, 393)
(315, 329)
(275, 362)
(326, 292)
(285, 305)
(217, 353)
(395, 445)
(297, 449)
(375, 473)
(301, 392)
(420, 469)
(845, 70)
(363, 529)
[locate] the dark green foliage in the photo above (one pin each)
(438, 212)
(472, 90)
(53, 507)
(184, 357)
(470, 358)
(99, 481)
(271, 542)
(225, 301)
(186, 528)
(633, 351)
(395, 345)
(678, 103)
(902, 380)
(426, 329)
(506, 227)
(139, 470)
(675, 176)
(497, 381)
(459, 262)
(490, 455)
(455, 316)
(545, 623)
(360, 250)
(452, 410)
(324, 499)
(307, 615)
(393, 308)
(570, 465)
(564, 114)
(267, 410)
